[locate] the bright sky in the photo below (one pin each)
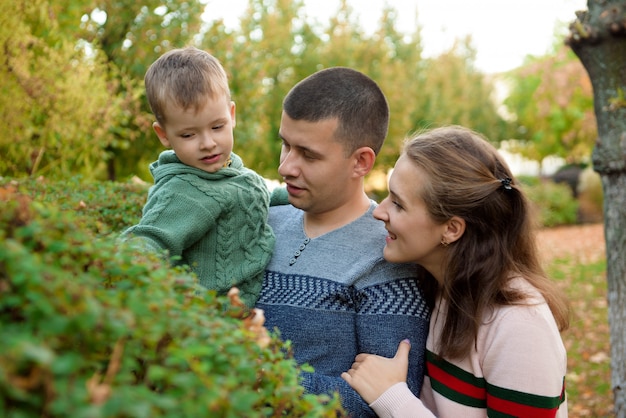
(503, 31)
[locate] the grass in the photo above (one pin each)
(588, 381)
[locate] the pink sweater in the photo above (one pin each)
(517, 370)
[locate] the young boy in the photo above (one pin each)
(205, 209)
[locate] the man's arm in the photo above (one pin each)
(389, 313)
(350, 399)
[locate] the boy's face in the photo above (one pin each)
(202, 139)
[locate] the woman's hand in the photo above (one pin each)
(372, 375)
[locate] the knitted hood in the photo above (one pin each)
(168, 165)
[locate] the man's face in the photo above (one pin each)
(314, 165)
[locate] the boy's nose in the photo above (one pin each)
(207, 142)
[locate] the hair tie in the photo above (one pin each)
(506, 183)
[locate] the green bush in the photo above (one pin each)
(554, 203)
(528, 180)
(102, 208)
(590, 196)
(89, 329)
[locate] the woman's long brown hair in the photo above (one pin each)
(466, 177)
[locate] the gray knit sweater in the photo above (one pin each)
(335, 296)
(216, 223)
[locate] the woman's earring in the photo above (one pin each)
(444, 243)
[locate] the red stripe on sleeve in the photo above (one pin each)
(518, 410)
(455, 383)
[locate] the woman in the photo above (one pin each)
(494, 347)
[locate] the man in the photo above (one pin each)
(327, 287)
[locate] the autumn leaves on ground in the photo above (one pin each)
(575, 257)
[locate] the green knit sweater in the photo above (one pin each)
(216, 223)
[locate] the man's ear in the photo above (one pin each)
(158, 129)
(364, 159)
(455, 228)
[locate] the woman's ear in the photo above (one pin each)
(455, 228)
(158, 129)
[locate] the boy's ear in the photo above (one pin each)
(233, 113)
(364, 159)
(158, 129)
(455, 228)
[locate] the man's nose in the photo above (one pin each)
(287, 166)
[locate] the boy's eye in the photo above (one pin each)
(216, 127)
(396, 204)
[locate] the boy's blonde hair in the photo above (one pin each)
(185, 77)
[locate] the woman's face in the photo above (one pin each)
(413, 235)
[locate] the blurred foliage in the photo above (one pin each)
(100, 208)
(552, 102)
(73, 71)
(131, 37)
(591, 196)
(57, 100)
(554, 203)
(91, 329)
(73, 100)
(285, 48)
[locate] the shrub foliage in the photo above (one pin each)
(90, 329)
(554, 203)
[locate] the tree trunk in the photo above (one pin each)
(598, 37)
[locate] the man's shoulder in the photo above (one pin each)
(281, 213)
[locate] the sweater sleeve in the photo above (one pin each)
(279, 196)
(389, 313)
(399, 402)
(172, 222)
(524, 362)
(350, 399)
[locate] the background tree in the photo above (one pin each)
(273, 49)
(391, 58)
(276, 46)
(552, 103)
(131, 35)
(455, 92)
(598, 37)
(56, 103)
(110, 44)
(400, 71)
